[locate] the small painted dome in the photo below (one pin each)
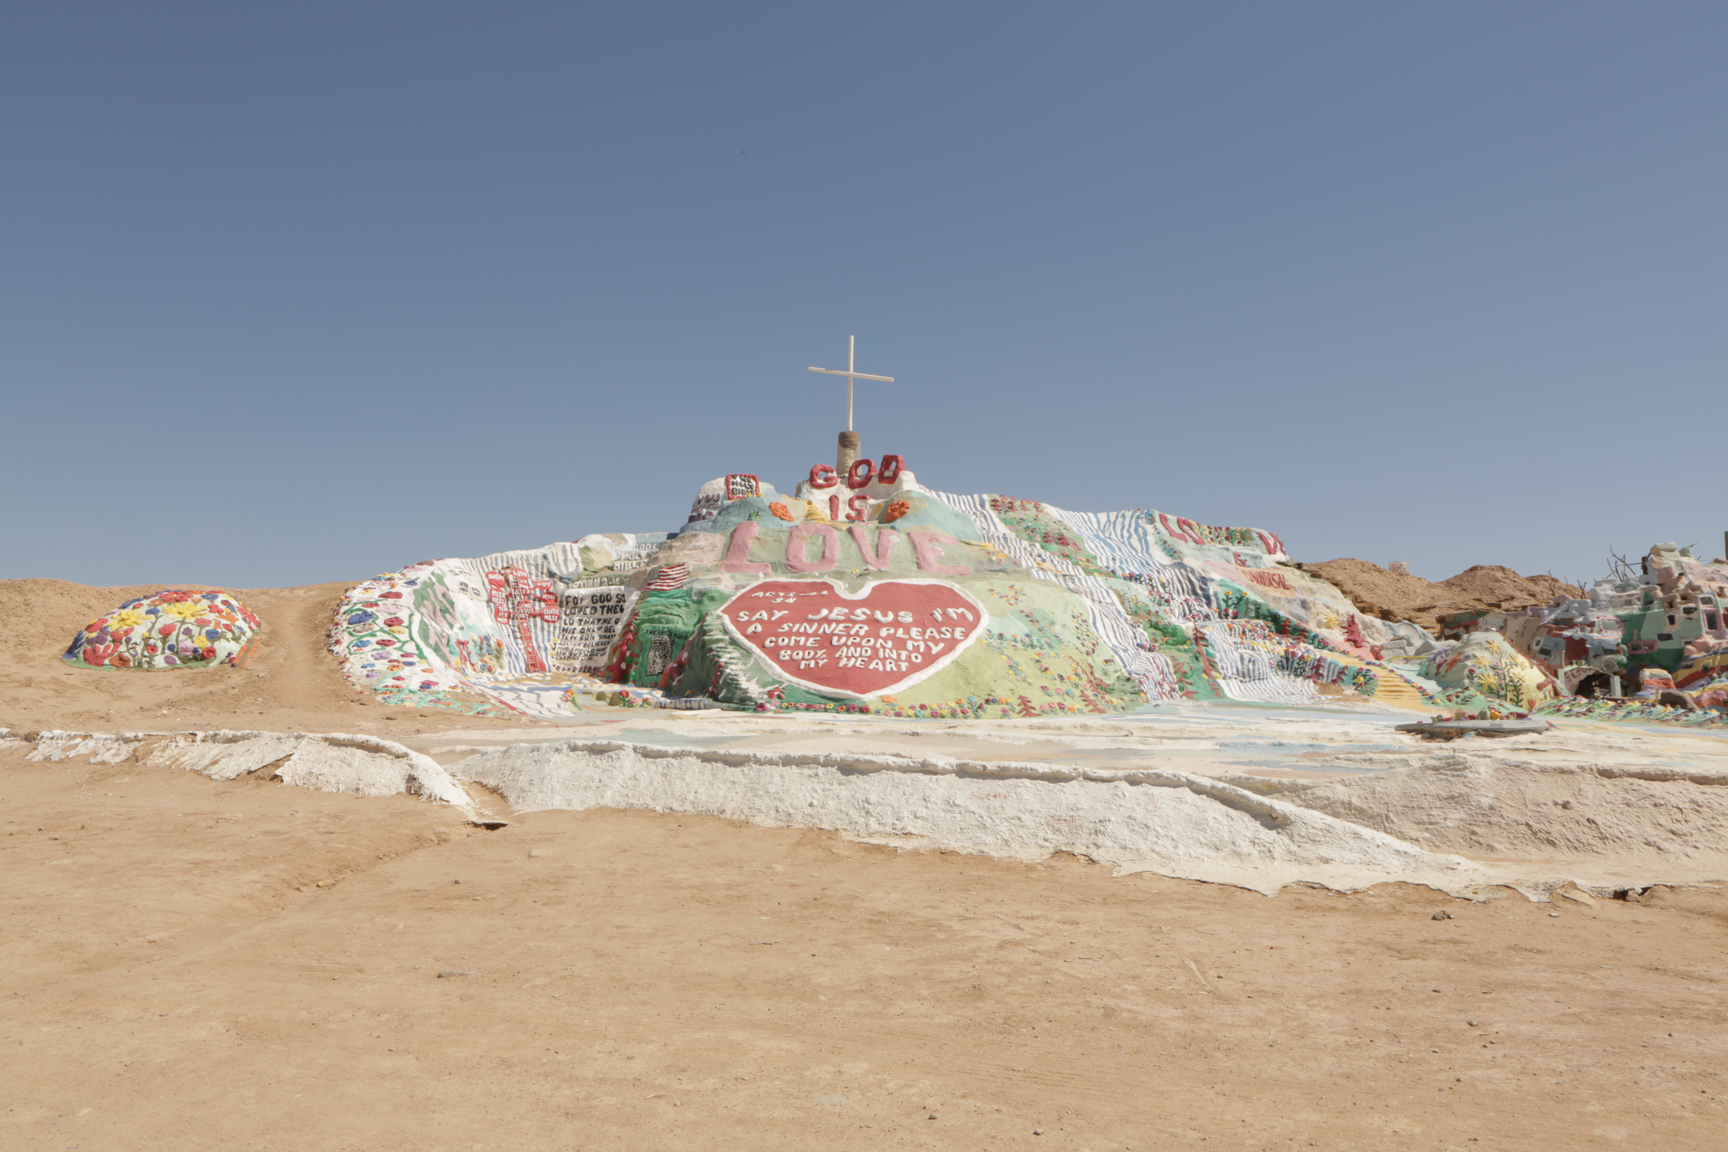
(171, 629)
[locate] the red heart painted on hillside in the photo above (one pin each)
(891, 634)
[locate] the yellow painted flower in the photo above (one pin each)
(127, 618)
(185, 610)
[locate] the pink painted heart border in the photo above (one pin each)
(865, 593)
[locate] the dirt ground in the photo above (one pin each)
(190, 964)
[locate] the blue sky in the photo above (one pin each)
(297, 293)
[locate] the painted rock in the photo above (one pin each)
(884, 637)
(175, 628)
(1485, 663)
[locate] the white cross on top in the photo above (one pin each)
(851, 354)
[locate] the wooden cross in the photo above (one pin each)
(851, 353)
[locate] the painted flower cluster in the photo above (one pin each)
(1032, 522)
(176, 628)
(373, 635)
(370, 634)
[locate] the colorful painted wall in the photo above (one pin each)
(1679, 610)
(894, 600)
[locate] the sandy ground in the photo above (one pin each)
(194, 964)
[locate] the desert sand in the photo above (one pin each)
(199, 963)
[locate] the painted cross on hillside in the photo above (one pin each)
(515, 597)
(851, 363)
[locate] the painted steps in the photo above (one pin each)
(1394, 691)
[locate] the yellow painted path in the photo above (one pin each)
(1394, 691)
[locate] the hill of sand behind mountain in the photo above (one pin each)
(1395, 596)
(1499, 587)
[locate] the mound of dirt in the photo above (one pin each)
(1500, 587)
(1392, 596)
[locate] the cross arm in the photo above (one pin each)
(857, 375)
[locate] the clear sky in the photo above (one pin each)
(304, 292)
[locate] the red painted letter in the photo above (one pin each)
(860, 474)
(823, 476)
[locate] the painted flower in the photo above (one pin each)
(360, 618)
(394, 622)
(127, 618)
(99, 654)
(212, 634)
(96, 626)
(391, 596)
(184, 610)
(120, 660)
(207, 653)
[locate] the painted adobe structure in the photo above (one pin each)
(1679, 611)
(866, 593)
